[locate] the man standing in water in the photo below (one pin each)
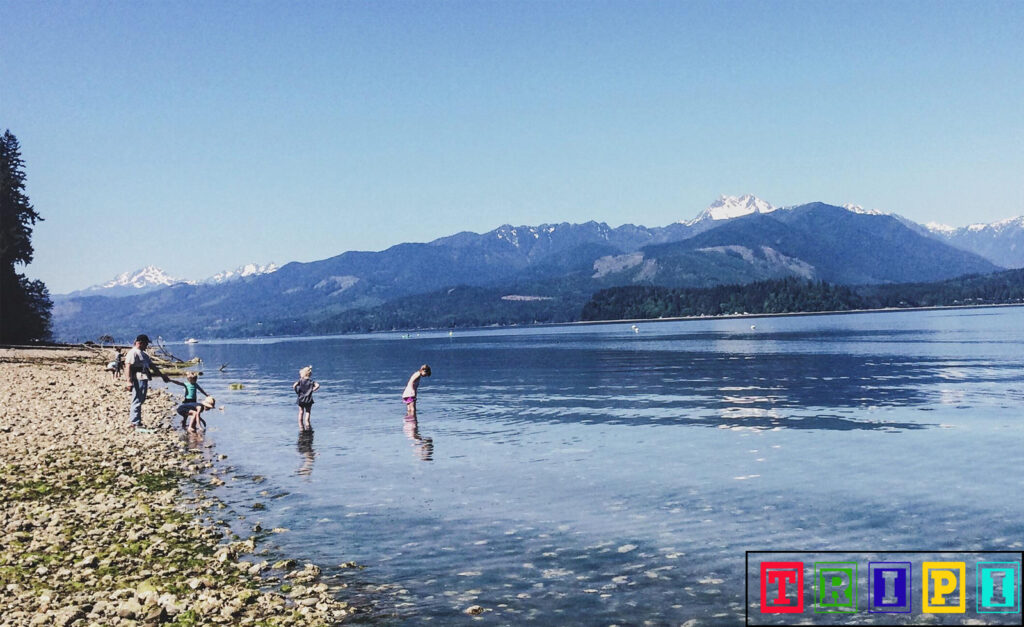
(139, 368)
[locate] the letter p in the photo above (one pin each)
(942, 579)
(943, 582)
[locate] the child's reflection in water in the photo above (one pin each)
(305, 446)
(196, 441)
(424, 446)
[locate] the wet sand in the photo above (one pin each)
(102, 525)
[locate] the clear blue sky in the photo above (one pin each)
(198, 136)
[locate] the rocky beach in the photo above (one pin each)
(102, 525)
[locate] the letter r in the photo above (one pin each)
(835, 586)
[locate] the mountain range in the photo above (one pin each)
(1001, 242)
(152, 278)
(521, 274)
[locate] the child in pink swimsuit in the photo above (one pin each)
(409, 395)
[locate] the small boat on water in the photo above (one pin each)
(191, 340)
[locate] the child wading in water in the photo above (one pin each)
(191, 386)
(193, 413)
(409, 395)
(305, 387)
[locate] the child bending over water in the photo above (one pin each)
(409, 395)
(193, 413)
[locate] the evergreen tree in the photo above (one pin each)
(24, 305)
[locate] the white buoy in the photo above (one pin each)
(753, 326)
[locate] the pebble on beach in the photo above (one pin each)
(95, 528)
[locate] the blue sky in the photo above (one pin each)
(199, 136)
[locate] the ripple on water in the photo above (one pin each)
(576, 474)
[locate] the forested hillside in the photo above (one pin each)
(792, 295)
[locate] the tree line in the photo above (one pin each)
(796, 295)
(465, 306)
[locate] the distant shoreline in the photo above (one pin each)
(745, 316)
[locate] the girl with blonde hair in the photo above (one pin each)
(304, 388)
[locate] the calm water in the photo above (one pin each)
(597, 475)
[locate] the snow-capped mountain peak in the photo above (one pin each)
(249, 269)
(941, 229)
(999, 226)
(993, 228)
(860, 209)
(127, 283)
(150, 276)
(728, 207)
(1000, 242)
(546, 235)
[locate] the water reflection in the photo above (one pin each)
(800, 390)
(593, 480)
(195, 440)
(305, 448)
(424, 447)
(745, 419)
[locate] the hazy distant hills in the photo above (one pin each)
(1001, 242)
(525, 274)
